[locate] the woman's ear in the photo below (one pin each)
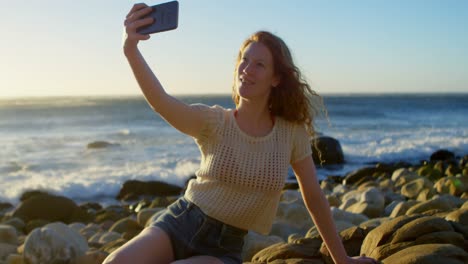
(276, 81)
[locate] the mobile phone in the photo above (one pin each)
(165, 17)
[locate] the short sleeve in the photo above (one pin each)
(213, 120)
(301, 146)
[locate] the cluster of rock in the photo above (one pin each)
(394, 213)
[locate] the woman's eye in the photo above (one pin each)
(260, 64)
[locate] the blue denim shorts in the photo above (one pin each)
(193, 233)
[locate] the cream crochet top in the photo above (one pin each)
(241, 177)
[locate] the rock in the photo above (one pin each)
(6, 249)
(340, 226)
(435, 205)
(125, 225)
(145, 214)
(333, 200)
(359, 176)
(50, 208)
(296, 261)
(89, 230)
(329, 151)
(442, 155)
(14, 259)
(373, 223)
(112, 246)
(281, 251)
(91, 257)
(54, 243)
(290, 196)
(295, 214)
(381, 234)
(430, 173)
(402, 207)
(254, 242)
(100, 144)
(8, 235)
(340, 215)
(460, 216)
(412, 189)
(132, 189)
(403, 176)
(103, 238)
(452, 185)
(284, 229)
(429, 254)
(419, 227)
(77, 226)
(444, 237)
(352, 240)
(371, 203)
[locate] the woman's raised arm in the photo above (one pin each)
(180, 115)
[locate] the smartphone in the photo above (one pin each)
(166, 17)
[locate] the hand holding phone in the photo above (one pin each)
(165, 17)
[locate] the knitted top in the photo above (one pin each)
(240, 178)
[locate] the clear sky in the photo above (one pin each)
(67, 47)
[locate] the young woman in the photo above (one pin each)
(245, 156)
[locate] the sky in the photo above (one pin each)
(74, 48)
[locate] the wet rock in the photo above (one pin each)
(328, 151)
(133, 189)
(443, 155)
(100, 144)
(50, 208)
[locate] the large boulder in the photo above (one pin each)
(329, 151)
(54, 243)
(50, 208)
(300, 249)
(254, 242)
(132, 189)
(429, 254)
(442, 155)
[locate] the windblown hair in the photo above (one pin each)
(292, 99)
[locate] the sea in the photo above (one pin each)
(43, 141)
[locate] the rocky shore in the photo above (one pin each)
(396, 213)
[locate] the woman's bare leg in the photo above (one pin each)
(199, 260)
(151, 246)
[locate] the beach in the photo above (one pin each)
(81, 176)
(408, 214)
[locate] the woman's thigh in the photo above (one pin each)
(199, 260)
(152, 245)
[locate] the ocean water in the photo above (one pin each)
(44, 140)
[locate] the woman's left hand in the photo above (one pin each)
(362, 260)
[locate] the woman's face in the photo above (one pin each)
(255, 72)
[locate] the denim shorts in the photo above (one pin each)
(193, 233)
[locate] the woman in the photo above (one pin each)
(245, 156)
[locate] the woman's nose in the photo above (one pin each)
(247, 69)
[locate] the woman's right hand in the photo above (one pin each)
(133, 21)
